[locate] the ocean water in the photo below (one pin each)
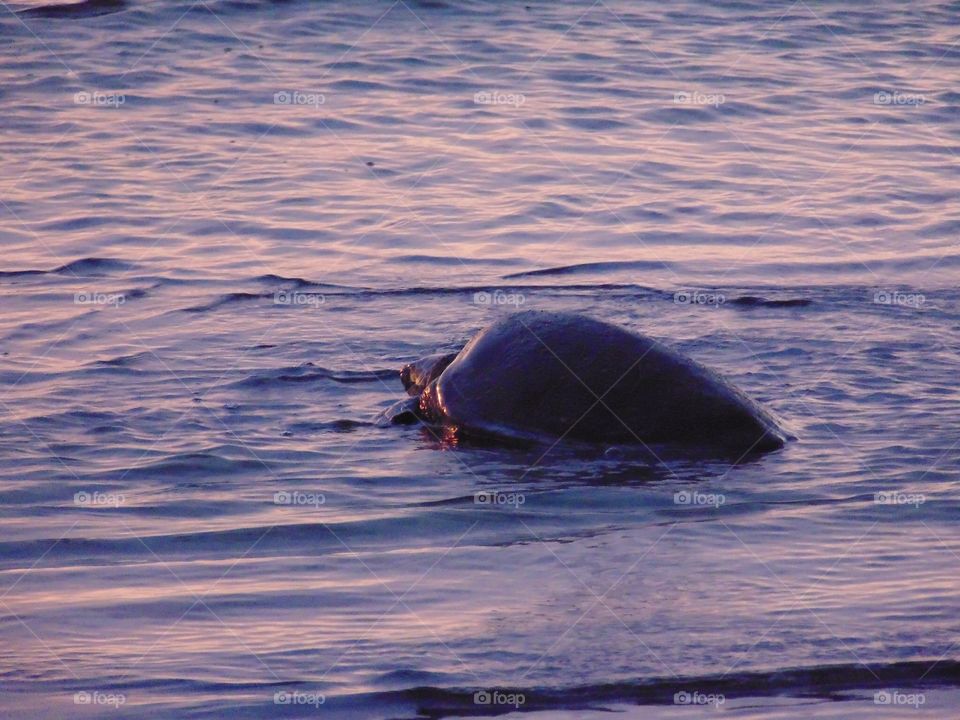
(226, 224)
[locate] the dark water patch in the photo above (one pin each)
(83, 416)
(680, 115)
(342, 425)
(329, 123)
(752, 301)
(94, 266)
(84, 222)
(447, 261)
(85, 9)
(359, 85)
(593, 267)
(834, 682)
(549, 210)
(578, 77)
(21, 273)
(107, 429)
(586, 123)
(946, 228)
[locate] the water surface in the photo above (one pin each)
(226, 225)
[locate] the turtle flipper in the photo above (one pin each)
(405, 412)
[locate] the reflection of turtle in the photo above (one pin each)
(549, 376)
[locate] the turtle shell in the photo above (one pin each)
(554, 375)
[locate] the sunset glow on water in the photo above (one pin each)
(226, 226)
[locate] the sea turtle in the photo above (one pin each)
(546, 376)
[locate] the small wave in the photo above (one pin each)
(446, 260)
(122, 360)
(200, 464)
(297, 282)
(228, 299)
(278, 281)
(309, 372)
(93, 266)
(583, 123)
(593, 267)
(83, 266)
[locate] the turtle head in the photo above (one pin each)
(417, 375)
